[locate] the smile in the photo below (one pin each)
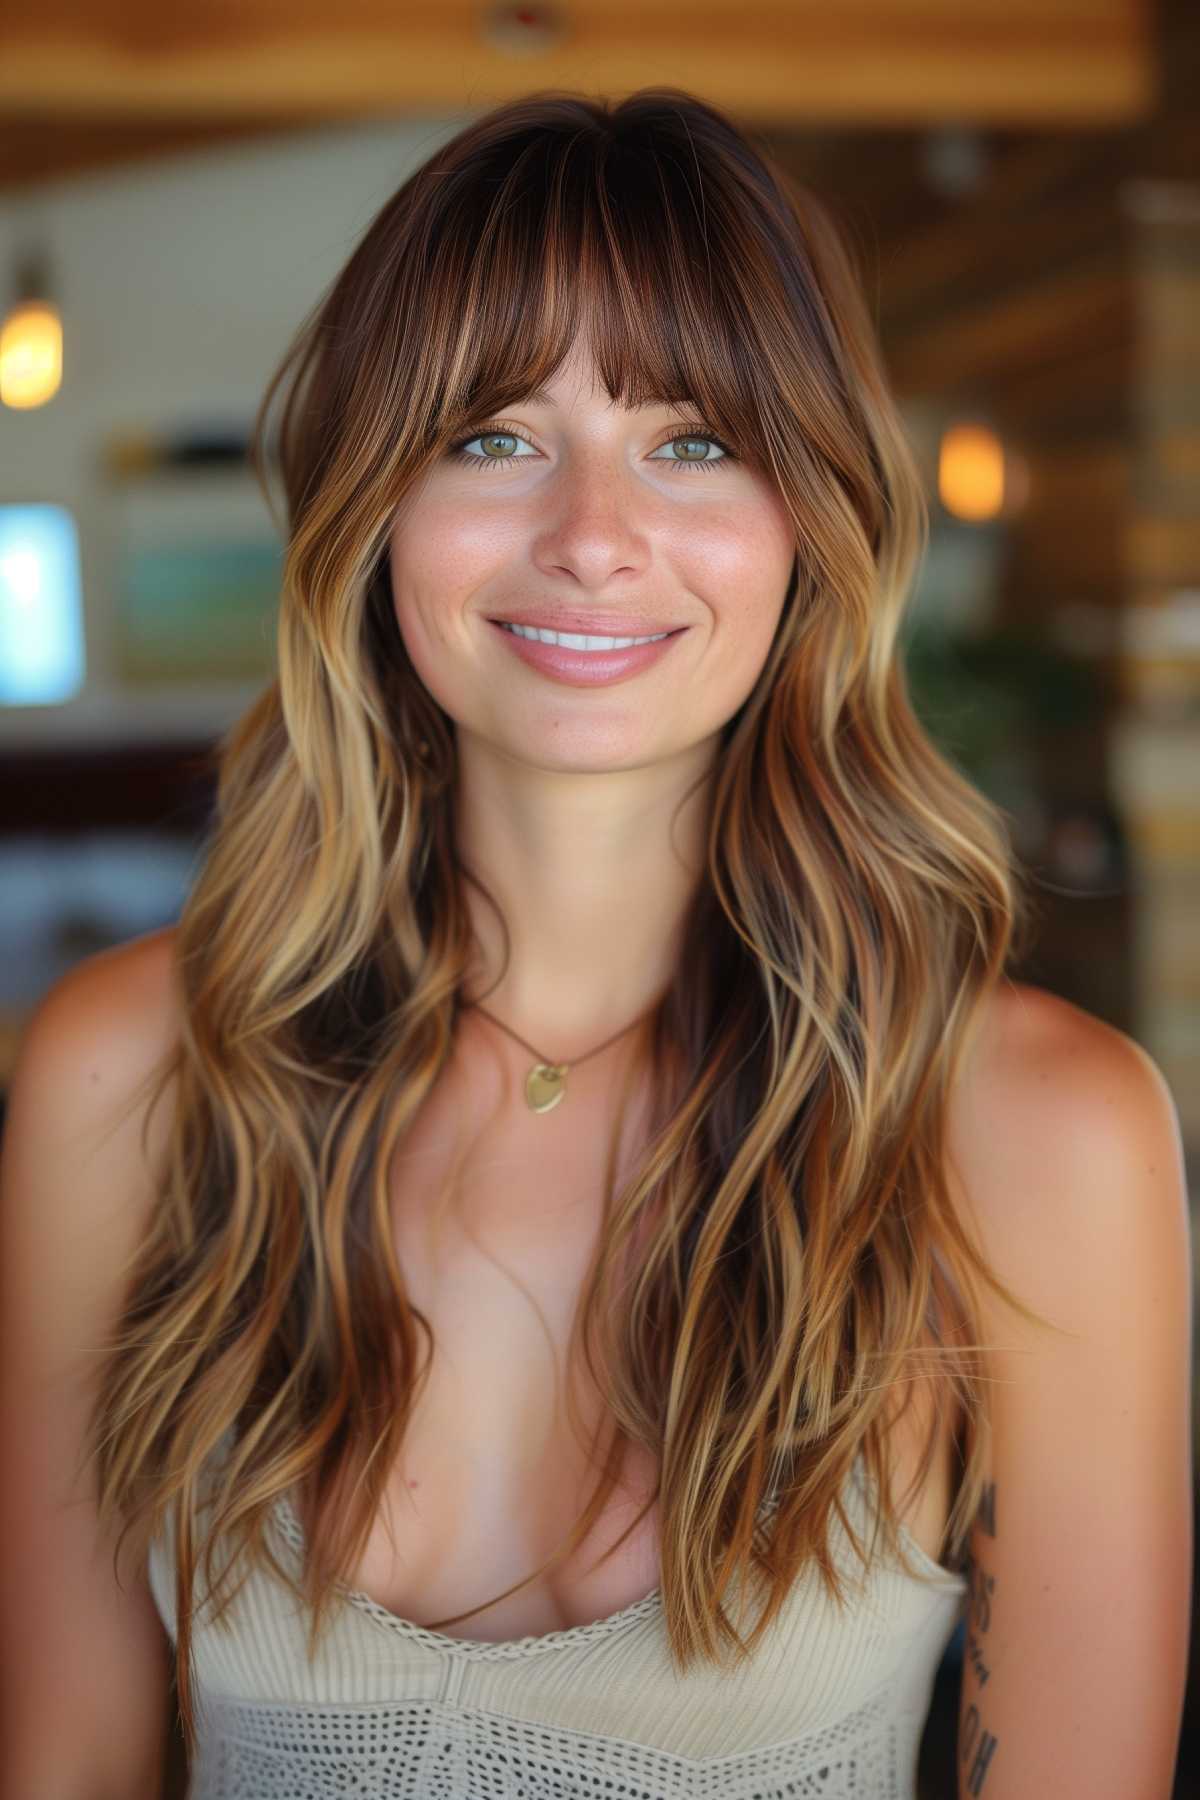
(573, 640)
(585, 659)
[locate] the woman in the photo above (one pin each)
(605, 1174)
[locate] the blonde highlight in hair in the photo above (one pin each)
(785, 1256)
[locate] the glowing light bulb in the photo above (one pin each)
(30, 354)
(971, 472)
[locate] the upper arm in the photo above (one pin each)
(75, 1187)
(1081, 1557)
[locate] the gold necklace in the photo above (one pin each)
(546, 1082)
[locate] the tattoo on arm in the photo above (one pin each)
(976, 1744)
(976, 1748)
(975, 1658)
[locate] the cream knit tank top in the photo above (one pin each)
(827, 1706)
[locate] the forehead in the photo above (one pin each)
(578, 378)
(546, 396)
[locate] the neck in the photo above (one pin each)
(593, 874)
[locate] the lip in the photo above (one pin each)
(587, 668)
(587, 624)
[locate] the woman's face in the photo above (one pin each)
(583, 517)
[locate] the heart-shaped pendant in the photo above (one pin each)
(545, 1086)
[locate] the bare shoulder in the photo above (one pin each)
(1052, 1102)
(79, 1181)
(93, 1045)
(1066, 1157)
(124, 1001)
(133, 986)
(87, 1119)
(1042, 1046)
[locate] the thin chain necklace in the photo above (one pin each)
(546, 1082)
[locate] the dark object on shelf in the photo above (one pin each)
(68, 790)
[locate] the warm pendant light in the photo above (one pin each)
(30, 341)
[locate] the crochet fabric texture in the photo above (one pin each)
(437, 1752)
(830, 1705)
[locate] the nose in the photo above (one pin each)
(598, 526)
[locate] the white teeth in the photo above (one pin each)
(573, 640)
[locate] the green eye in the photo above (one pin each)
(459, 449)
(688, 434)
(697, 435)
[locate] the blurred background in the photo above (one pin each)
(1020, 181)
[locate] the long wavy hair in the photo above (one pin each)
(799, 1261)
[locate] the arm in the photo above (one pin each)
(1081, 1557)
(84, 1662)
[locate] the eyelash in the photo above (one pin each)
(498, 428)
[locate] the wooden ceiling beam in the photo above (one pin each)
(878, 62)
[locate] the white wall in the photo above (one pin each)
(180, 285)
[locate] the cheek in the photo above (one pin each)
(439, 558)
(423, 584)
(747, 566)
(419, 604)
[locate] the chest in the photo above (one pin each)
(496, 1230)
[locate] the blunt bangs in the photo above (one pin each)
(606, 237)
